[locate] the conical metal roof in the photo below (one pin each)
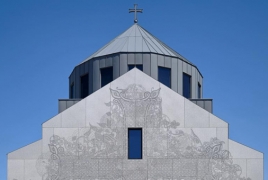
(136, 39)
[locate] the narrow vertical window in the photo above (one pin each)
(199, 91)
(134, 143)
(72, 91)
(84, 86)
(106, 76)
(186, 85)
(164, 76)
(140, 67)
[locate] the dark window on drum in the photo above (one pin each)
(164, 76)
(84, 86)
(72, 91)
(140, 67)
(106, 76)
(199, 91)
(186, 85)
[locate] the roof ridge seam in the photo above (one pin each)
(142, 40)
(154, 43)
(147, 42)
(160, 42)
(122, 44)
(117, 41)
(176, 53)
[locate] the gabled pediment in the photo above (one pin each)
(176, 133)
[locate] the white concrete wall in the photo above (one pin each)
(180, 139)
(22, 163)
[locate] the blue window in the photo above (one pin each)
(199, 91)
(134, 143)
(72, 91)
(84, 86)
(106, 76)
(140, 67)
(186, 85)
(164, 76)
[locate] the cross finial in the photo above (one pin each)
(135, 10)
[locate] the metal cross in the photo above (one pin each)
(135, 10)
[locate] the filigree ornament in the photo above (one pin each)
(98, 151)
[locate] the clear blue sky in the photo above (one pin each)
(42, 41)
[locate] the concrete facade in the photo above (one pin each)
(180, 139)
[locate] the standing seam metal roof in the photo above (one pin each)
(136, 39)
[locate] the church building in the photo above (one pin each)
(135, 111)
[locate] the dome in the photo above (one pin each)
(136, 40)
(136, 47)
